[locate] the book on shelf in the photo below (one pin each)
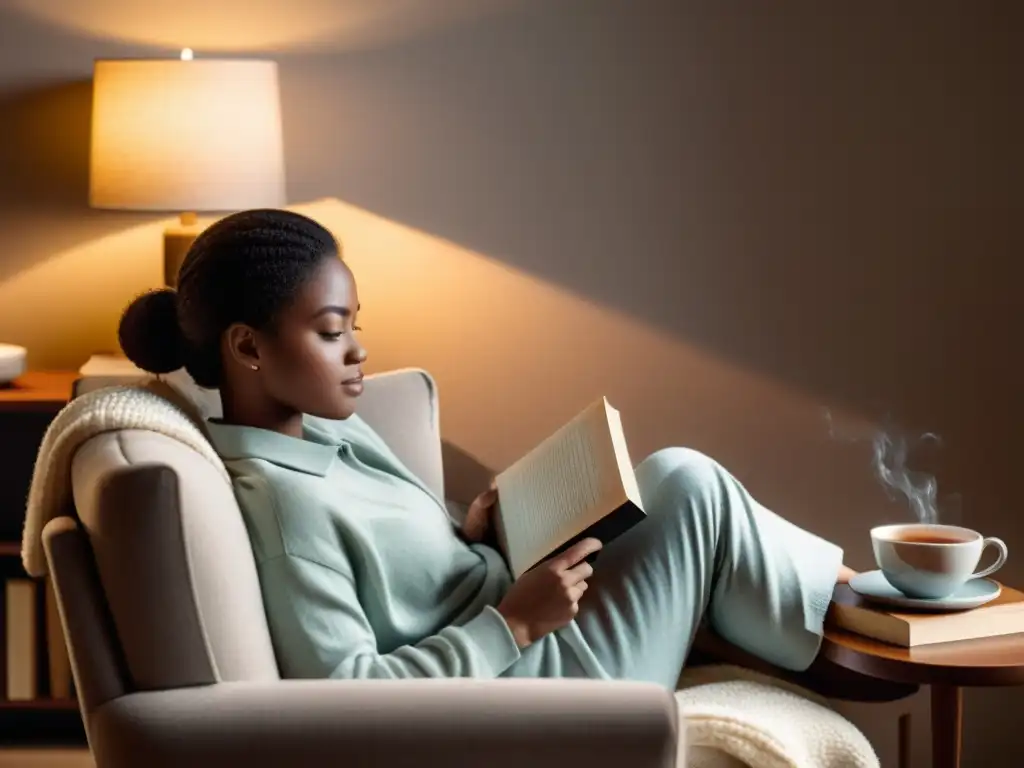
(58, 660)
(576, 484)
(35, 663)
(1002, 616)
(20, 635)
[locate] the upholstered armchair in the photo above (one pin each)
(173, 661)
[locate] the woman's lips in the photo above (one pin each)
(353, 386)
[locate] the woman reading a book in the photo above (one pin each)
(363, 572)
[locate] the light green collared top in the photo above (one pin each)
(360, 568)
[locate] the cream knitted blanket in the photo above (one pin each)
(737, 718)
(151, 404)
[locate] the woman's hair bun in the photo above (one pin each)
(149, 332)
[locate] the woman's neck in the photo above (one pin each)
(253, 411)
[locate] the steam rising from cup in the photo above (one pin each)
(889, 456)
(890, 464)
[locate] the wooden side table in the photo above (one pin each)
(38, 391)
(946, 667)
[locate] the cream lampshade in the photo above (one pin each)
(186, 136)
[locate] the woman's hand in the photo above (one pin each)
(547, 597)
(478, 522)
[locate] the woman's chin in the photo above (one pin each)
(335, 406)
(338, 411)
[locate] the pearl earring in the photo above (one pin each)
(255, 367)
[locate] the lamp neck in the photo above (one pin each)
(188, 219)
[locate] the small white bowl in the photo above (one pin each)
(12, 362)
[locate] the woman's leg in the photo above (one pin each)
(707, 548)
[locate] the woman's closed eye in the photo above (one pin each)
(335, 335)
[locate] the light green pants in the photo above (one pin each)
(706, 550)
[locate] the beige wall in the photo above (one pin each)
(723, 220)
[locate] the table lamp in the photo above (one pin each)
(185, 136)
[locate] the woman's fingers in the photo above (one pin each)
(575, 593)
(581, 572)
(487, 498)
(576, 554)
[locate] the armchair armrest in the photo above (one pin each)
(398, 724)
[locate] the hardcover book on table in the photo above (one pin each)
(1002, 616)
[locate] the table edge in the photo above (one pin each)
(921, 673)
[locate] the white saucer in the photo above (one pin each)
(872, 586)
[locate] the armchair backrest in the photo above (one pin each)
(161, 590)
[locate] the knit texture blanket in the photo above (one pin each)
(150, 404)
(737, 718)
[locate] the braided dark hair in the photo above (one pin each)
(245, 268)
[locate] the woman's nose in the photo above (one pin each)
(358, 353)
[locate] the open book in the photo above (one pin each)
(578, 483)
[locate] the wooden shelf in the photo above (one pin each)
(10, 549)
(37, 704)
(27, 407)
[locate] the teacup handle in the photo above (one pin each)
(1000, 559)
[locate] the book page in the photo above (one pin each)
(559, 488)
(626, 472)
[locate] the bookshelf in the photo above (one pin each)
(26, 408)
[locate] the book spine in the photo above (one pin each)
(607, 529)
(873, 626)
(20, 618)
(3, 639)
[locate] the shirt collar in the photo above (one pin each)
(313, 453)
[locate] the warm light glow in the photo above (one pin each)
(186, 54)
(557, 355)
(67, 306)
(179, 135)
(259, 25)
(496, 336)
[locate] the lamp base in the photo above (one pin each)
(177, 240)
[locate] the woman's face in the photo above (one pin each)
(312, 361)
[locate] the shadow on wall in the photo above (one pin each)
(44, 147)
(44, 186)
(464, 475)
(747, 180)
(753, 181)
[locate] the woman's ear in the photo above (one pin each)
(241, 345)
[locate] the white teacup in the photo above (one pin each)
(932, 561)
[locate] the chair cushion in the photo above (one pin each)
(175, 561)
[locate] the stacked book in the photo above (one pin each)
(899, 626)
(35, 662)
